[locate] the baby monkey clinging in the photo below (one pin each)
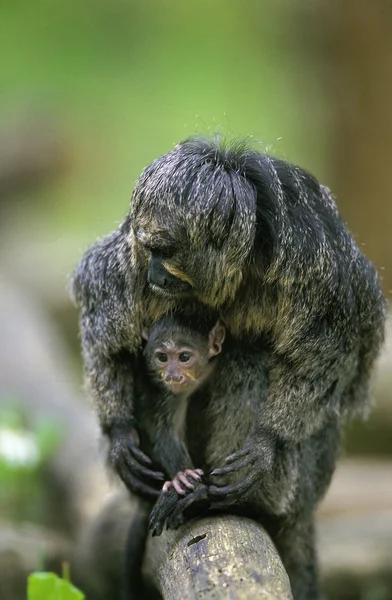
(180, 356)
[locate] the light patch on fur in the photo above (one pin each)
(163, 293)
(170, 345)
(177, 273)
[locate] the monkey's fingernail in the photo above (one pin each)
(231, 458)
(139, 454)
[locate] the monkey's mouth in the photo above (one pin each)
(172, 292)
(176, 388)
(179, 388)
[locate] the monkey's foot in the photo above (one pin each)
(169, 508)
(182, 478)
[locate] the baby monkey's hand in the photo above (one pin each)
(184, 478)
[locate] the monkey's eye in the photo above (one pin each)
(161, 357)
(184, 357)
(159, 252)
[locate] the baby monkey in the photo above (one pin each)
(180, 356)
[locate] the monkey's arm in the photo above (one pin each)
(169, 450)
(169, 447)
(111, 382)
(185, 481)
(110, 333)
(173, 455)
(321, 376)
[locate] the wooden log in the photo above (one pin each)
(214, 558)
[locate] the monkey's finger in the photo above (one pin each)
(156, 529)
(198, 494)
(169, 508)
(176, 522)
(147, 473)
(175, 518)
(222, 504)
(137, 486)
(141, 471)
(236, 455)
(174, 514)
(235, 466)
(166, 486)
(141, 457)
(183, 478)
(156, 524)
(161, 511)
(227, 490)
(177, 486)
(194, 474)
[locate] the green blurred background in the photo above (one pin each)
(92, 91)
(113, 84)
(97, 90)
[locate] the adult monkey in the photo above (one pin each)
(261, 242)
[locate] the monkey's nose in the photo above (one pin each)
(175, 378)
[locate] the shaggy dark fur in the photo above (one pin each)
(261, 242)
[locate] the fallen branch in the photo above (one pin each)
(216, 558)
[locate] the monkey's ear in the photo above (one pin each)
(145, 335)
(216, 338)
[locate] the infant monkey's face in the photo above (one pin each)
(179, 368)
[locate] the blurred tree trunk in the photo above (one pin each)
(358, 67)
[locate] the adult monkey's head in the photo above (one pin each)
(194, 213)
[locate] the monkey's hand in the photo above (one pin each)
(184, 478)
(133, 466)
(170, 507)
(256, 457)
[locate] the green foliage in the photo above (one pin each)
(24, 450)
(115, 76)
(25, 447)
(48, 586)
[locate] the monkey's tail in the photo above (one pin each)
(133, 585)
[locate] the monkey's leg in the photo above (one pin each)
(296, 546)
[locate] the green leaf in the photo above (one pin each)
(48, 586)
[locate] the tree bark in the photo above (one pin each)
(217, 557)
